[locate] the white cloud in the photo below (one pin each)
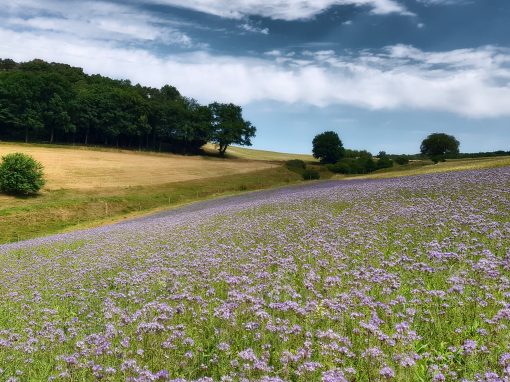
(93, 20)
(280, 9)
(442, 2)
(248, 27)
(468, 82)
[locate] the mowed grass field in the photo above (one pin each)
(81, 168)
(87, 187)
(261, 155)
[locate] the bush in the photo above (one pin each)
(362, 165)
(311, 174)
(384, 161)
(20, 174)
(296, 165)
(402, 160)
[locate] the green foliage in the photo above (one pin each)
(438, 146)
(402, 160)
(229, 127)
(310, 174)
(51, 102)
(327, 147)
(384, 161)
(362, 164)
(20, 174)
(348, 153)
(295, 165)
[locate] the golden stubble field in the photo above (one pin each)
(85, 169)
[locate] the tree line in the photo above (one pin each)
(58, 103)
(329, 149)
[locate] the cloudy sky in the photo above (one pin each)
(382, 73)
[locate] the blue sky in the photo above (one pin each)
(382, 73)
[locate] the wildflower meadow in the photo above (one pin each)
(404, 279)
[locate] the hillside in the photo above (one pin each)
(88, 187)
(366, 280)
(68, 167)
(264, 155)
(93, 186)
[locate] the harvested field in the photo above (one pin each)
(84, 169)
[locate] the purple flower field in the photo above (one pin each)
(394, 280)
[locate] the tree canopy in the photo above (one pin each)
(229, 127)
(327, 147)
(52, 102)
(439, 145)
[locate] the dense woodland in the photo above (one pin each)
(57, 103)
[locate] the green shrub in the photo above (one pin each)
(384, 161)
(311, 174)
(362, 165)
(402, 160)
(295, 165)
(20, 174)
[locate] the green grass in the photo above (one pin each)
(294, 275)
(423, 167)
(60, 210)
(264, 155)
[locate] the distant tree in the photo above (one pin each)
(327, 147)
(56, 117)
(20, 174)
(439, 145)
(402, 160)
(384, 160)
(7, 64)
(229, 127)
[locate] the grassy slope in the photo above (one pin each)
(261, 155)
(90, 187)
(427, 167)
(77, 197)
(79, 168)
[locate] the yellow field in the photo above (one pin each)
(84, 169)
(260, 155)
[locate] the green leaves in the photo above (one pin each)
(327, 147)
(229, 127)
(20, 174)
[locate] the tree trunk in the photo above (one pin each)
(26, 134)
(52, 134)
(87, 136)
(222, 150)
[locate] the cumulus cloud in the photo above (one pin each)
(280, 9)
(468, 82)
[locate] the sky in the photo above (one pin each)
(383, 74)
